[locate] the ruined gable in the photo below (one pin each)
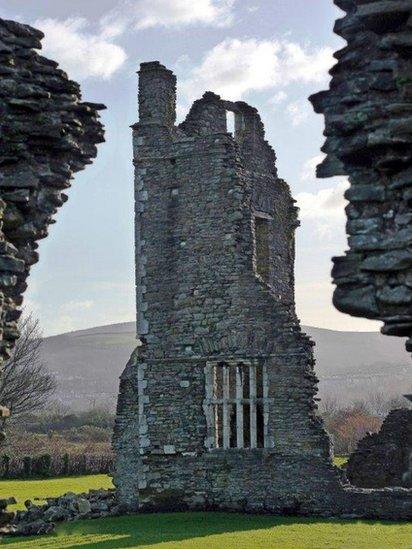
(216, 406)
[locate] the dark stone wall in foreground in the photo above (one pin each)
(46, 134)
(368, 119)
(382, 459)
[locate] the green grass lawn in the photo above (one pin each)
(30, 489)
(340, 460)
(221, 530)
(199, 530)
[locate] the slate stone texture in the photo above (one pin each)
(46, 134)
(368, 128)
(202, 297)
(382, 459)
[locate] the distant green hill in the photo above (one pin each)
(88, 363)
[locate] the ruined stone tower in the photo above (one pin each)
(216, 406)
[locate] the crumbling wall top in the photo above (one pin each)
(157, 94)
(207, 116)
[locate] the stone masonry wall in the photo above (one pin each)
(382, 459)
(368, 137)
(46, 134)
(201, 298)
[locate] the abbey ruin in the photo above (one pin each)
(216, 406)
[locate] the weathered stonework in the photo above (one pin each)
(216, 406)
(46, 134)
(382, 459)
(369, 137)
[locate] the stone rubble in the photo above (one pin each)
(6, 517)
(41, 519)
(368, 128)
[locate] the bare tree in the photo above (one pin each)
(381, 405)
(329, 406)
(25, 383)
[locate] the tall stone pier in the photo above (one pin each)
(369, 138)
(216, 407)
(47, 134)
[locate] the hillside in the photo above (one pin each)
(351, 365)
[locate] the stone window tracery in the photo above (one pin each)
(237, 405)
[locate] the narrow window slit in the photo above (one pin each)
(262, 249)
(230, 122)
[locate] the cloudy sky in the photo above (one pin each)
(270, 53)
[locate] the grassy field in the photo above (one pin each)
(220, 531)
(30, 489)
(199, 530)
(340, 460)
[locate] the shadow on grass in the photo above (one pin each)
(150, 529)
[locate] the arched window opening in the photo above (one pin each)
(230, 122)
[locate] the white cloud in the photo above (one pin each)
(64, 324)
(308, 171)
(69, 317)
(299, 111)
(326, 203)
(234, 67)
(325, 208)
(152, 13)
(301, 64)
(278, 98)
(80, 52)
(314, 305)
(75, 306)
(145, 14)
(30, 306)
(113, 24)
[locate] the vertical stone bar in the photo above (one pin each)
(265, 393)
(209, 408)
(239, 406)
(252, 396)
(215, 392)
(226, 416)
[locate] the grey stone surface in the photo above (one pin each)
(6, 517)
(215, 284)
(369, 138)
(382, 459)
(46, 135)
(41, 519)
